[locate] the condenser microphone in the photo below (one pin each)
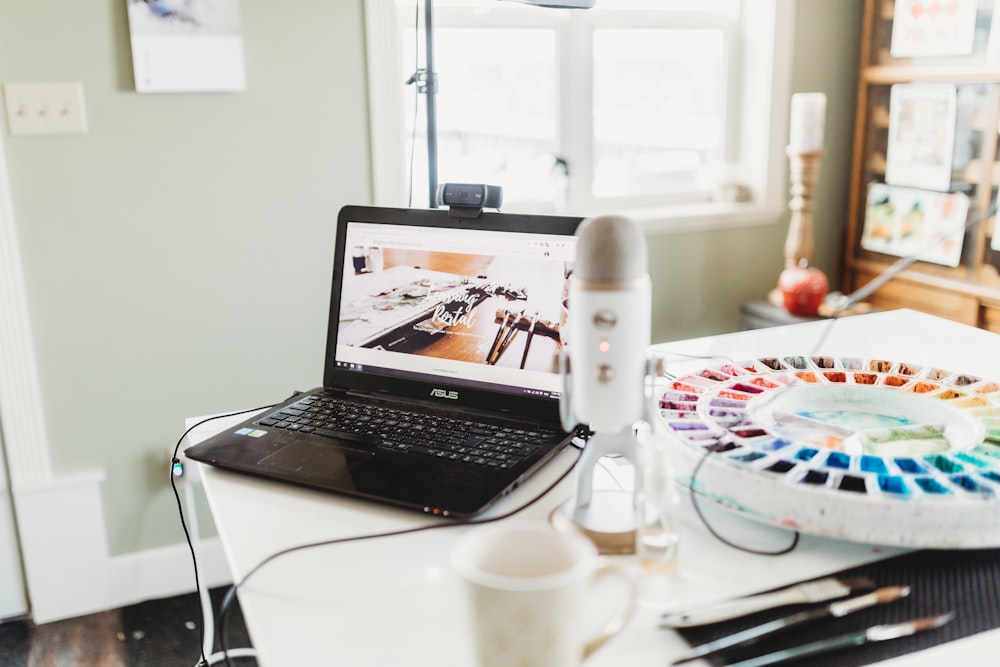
(609, 326)
(604, 370)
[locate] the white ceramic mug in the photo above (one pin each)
(528, 587)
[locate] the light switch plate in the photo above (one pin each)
(45, 108)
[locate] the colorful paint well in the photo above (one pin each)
(892, 484)
(885, 438)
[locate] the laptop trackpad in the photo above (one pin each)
(320, 460)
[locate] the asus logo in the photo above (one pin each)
(441, 393)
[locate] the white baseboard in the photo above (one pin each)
(164, 572)
(13, 598)
(68, 570)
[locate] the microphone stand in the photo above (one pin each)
(616, 520)
(610, 521)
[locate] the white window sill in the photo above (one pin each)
(705, 216)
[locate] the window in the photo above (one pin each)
(653, 108)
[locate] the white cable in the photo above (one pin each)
(208, 616)
(232, 653)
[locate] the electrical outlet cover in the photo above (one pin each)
(45, 108)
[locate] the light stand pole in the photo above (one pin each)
(430, 89)
(426, 81)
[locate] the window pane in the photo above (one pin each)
(658, 101)
(496, 110)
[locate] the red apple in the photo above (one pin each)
(803, 289)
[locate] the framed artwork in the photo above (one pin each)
(921, 135)
(906, 221)
(933, 28)
(186, 46)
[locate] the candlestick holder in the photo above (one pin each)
(804, 176)
(801, 288)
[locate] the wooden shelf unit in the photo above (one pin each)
(969, 292)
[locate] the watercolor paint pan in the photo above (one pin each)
(844, 445)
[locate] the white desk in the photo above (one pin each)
(394, 601)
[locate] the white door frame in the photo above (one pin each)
(25, 445)
(13, 598)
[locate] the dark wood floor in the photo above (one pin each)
(164, 633)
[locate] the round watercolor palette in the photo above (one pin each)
(868, 450)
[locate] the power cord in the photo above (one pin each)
(203, 599)
(729, 543)
(208, 620)
(697, 469)
(224, 654)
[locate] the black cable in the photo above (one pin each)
(231, 592)
(715, 533)
(180, 510)
(694, 479)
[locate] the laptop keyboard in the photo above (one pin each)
(400, 430)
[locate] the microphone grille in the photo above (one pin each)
(610, 249)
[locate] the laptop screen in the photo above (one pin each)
(454, 305)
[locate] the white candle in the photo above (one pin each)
(807, 118)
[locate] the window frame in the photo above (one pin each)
(762, 88)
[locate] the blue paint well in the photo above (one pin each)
(945, 464)
(806, 453)
(973, 460)
(748, 458)
(893, 484)
(992, 476)
(839, 460)
(873, 464)
(771, 444)
(969, 484)
(931, 485)
(910, 466)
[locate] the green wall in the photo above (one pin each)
(177, 256)
(700, 278)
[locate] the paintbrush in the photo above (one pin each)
(496, 340)
(819, 590)
(508, 337)
(832, 610)
(527, 343)
(876, 633)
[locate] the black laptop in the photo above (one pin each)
(441, 384)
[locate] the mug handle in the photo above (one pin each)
(616, 623)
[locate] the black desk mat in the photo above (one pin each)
(964, 581)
